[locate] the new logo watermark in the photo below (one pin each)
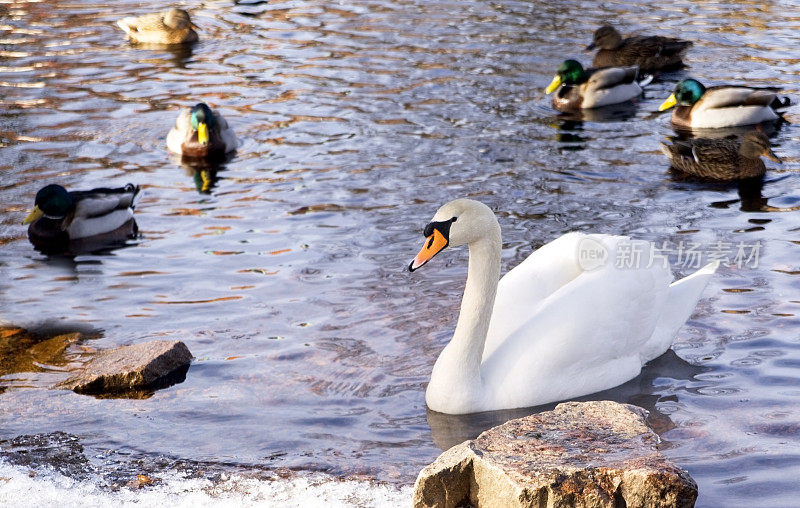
(592, 254)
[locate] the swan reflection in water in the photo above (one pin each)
(450, 430)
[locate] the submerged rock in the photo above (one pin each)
(153, 364)
(39, 347)
(581, 454)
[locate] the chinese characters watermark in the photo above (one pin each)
(593, 254)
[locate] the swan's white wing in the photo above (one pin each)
(522, 289)
(584, 337)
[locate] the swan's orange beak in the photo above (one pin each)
(434, 244)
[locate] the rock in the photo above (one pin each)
(581, 454)
(139, 366)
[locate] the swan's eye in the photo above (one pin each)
(454, 219)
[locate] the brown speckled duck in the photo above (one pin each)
(170, 27)
(649, 53)
(724, 159)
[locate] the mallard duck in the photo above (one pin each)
(169, 27)
(649, 53)
(568, 321)
(580, 88)
(201, 133)
(721, 159)
(698, 107)
(60, 216)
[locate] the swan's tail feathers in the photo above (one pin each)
(681, 301)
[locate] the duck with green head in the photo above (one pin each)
(724, 159)
(579, 88)
(721, 106)
(201, 133)
(649, 53)
(60, 216)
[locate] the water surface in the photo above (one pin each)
(283, 270)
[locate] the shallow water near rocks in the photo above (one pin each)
(284, 269)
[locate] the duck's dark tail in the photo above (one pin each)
(780, 103)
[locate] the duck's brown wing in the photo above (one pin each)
(717, 97)
(655, 46)
(103, 200)
(610, 77)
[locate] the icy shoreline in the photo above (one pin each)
(43, 486)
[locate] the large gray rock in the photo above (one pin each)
(581, 454)
(130, 367)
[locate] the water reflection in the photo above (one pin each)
(567, 133)
(204, 172)
(570, 125)
(179, 55)
(450, 430)
(770, 129)
(751, 198)
(62, 245)
(363, 117)
(611, 113)
(40, 346)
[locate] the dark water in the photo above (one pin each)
(357, 120)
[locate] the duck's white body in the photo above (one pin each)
(86, 227)
(101, 211)
(549, 329)
(620, 93)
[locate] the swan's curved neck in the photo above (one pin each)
(478, 300)
(459, 364)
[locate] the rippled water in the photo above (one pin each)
(358, 119)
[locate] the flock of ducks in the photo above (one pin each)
(616, 79)
(566, 321)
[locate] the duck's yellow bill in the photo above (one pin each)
(769, 154)
(671, 101)
(553, 84)
(202, 133)
(433, 245)
(208, 181)
(35, 214)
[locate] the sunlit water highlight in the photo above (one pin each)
(358, 119)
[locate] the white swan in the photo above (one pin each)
(557, 326)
